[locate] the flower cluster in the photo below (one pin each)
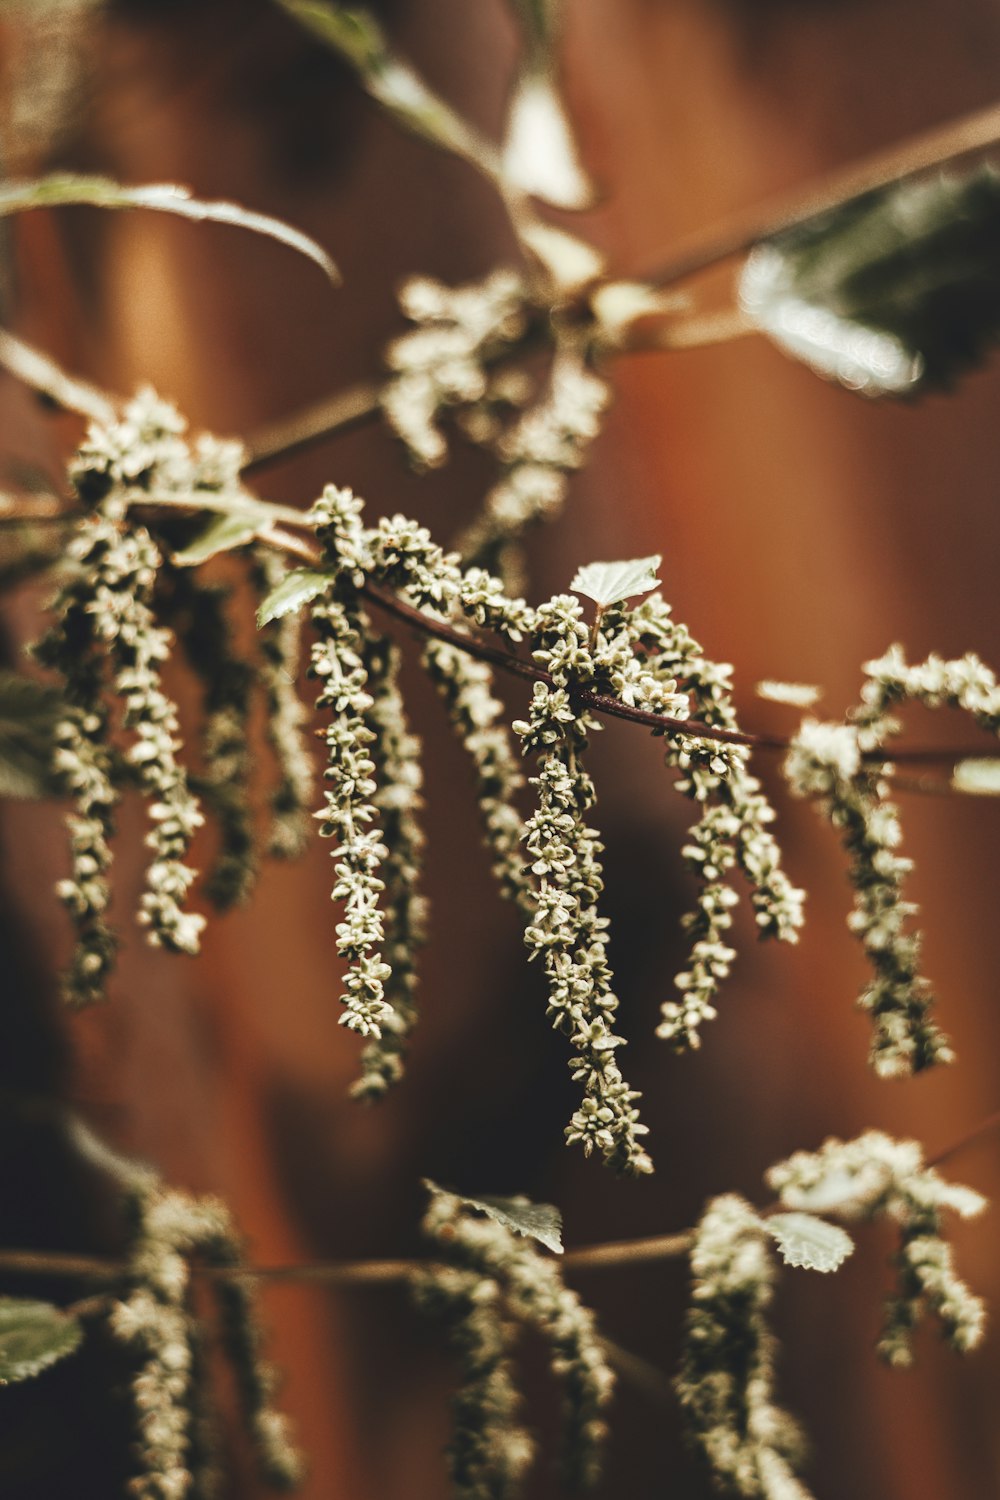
(156, 1319)
(539, 453)
(105, 626)
(349, 814)
(726, 1381)
(490, 1451)
(733, 829)
(965, 683)
(875, 1176)
(397, 800)
(566, 930)
(466, 685)
(825, 762)
(527, 1285)
(443, 361)
(83, 770)
(105, 640)
(147, 453)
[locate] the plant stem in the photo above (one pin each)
(330, 1273)
(289, 435)
(279, 535)
(740, 233)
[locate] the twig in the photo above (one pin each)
(311, 425)
(992, 1122)
(329, 1273)
(740, 233)
(280, 535)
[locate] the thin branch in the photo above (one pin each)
(280, 535)
(991, 1123)
(328, 1273)
(740, 233)
(695, 331)
(311, 425)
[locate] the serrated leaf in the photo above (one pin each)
(609, 582)
(28, 712)
(896, 291)
(222, 534)
(537, 1221)
(979, 776)
(539, 152)
(299, 586)
(33, 1335)
(103, 192)
(814, 1244)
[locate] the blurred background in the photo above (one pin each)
(802, 530)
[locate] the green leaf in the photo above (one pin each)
(102, 192)
(894, 292)
(979, 776)
(356, 35)
(33, 1335)
(803, 1240)
(299, 586)
(537, 1221)
(609, 582)
(28, 713)
(222, 534)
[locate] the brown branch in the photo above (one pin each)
(280, 536)
(992, 1122)
(328, 1273)
(311, 425)
(740, 233)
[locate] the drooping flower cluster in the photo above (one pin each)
(466, 685)
(539, 453)
(847, 769)
(875, 1176)
(825, 762)
(443, 362)
(349, 814)
(726, 1379)
(733, 829)
(397, 800)
(105, 625)
(490, 1451)
(566, 930)
(156, 1319)
(513, 1278)
(106, 642)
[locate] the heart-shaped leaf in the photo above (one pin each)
(538, 1221)
(609, 582)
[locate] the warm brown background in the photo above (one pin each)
(802, 531)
